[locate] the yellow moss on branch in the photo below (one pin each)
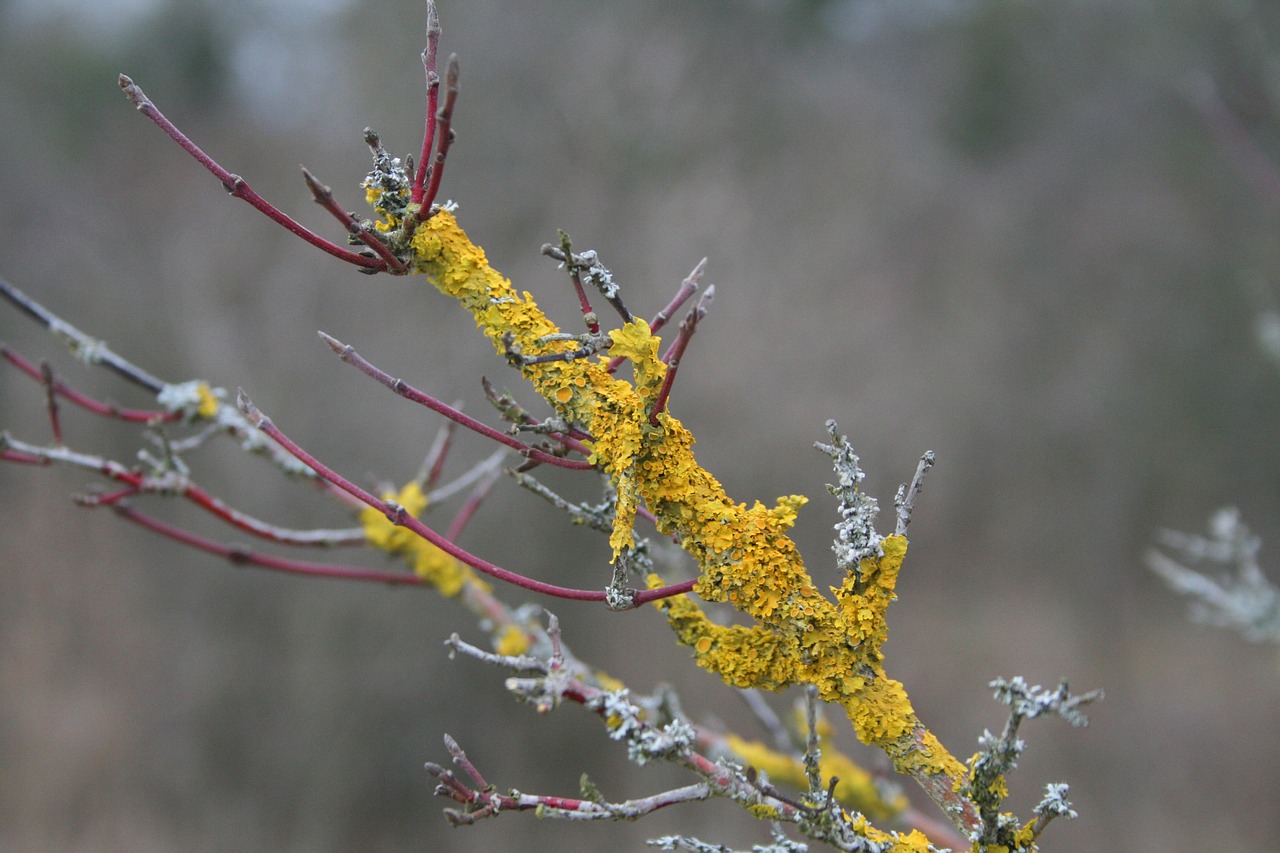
(856, 788)
(428, 562)
(798, 635)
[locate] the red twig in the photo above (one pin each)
(444, 138)
(468, 509)
(51, 400)
(323, 196)
(565, 256)
(687, 327)
(350, 356)
(240, 556)
(687, 288)
(237, 186)
(433, 465)
(135, 482)
(396, 515)
(84, 401)
(433, 96)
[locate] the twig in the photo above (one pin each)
(433, 95)
(323, 196)
(444, 138)
(575, 276)
(905, 500)
(469, 507)
(87, 349)
(49, 384)
(396, 515)
(242, 557)
(237, 186)
(673, 355)
(687, 288)
(174, 483)
(348, 354)
(84, 401)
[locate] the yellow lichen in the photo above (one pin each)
(428, 562)
(511, 641)
(856, 787)
(208, 402)
(797, 635)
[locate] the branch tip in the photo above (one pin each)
(249, 410)
(339, 348)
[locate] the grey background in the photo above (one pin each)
(1003, 231)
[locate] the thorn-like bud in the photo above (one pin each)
(249, 410)
(451, 72)
(318, 190)
(339, 348)
(132, 92)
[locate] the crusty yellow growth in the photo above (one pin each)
(208, 402)
(428, 562)
(512, 640)
(856, 788)
(798, 635)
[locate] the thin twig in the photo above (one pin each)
(323, 196)
(88, 349)
(673, 355)
(444, 138)
(236, 185)
(397, 515)
(905, 501)
(348, 354)
(174, 483)
(243, 557)
(433, 95)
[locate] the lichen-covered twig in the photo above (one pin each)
(1220, 576)
(999, 754)
(88, 349)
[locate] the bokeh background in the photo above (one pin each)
(1036, 238)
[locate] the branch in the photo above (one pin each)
(87, 349)
(236, 185)
(348, 354)
(398, 517)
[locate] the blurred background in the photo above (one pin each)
(1036, 238)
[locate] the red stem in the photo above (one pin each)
(397, 516)
(265, 561)
(468, 509)
(84, 401)
(323, 196)
(433, 97)
(237, 186)
(673, 355)
(350, 356)
(444, 137)
(687, 288)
